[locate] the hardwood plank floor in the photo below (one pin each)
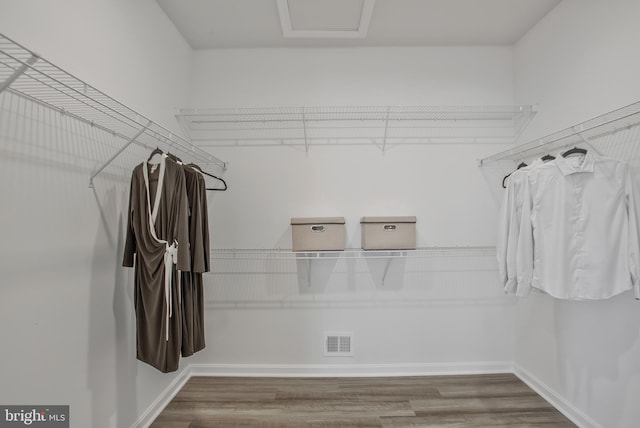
(475, 401)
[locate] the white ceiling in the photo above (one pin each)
(209, 24)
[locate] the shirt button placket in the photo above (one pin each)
(579, 236)
(580, 225)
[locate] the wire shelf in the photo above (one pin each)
(27, 74)
(609, 123)
(349, 253)
(353, 125)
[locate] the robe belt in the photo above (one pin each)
(171, 250)
(170, 259)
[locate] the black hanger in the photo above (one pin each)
(155, 151)
(575, 150)
(224, 183)
(504, 180)
(174, 157)
(547, 157)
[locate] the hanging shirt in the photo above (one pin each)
(579, 235)
(509, 228)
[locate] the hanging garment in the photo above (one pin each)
(578, 237)
(157, 235)
(509, 228)
(193, 339)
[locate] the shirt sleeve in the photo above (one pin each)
(514, 232)
(503, 237)
(506, 247)
(634, 239)
(182, 223)
(130, 239)
(525, 243)
(197, 233)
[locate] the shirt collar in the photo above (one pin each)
(566, 168)
(535, 163)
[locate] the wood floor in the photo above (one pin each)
(497, 400)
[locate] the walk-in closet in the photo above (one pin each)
(297, 213)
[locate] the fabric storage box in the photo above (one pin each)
(388, 233)
(318, 233)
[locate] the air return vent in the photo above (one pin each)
(338, 344)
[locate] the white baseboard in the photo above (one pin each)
(158, 405)
(576, 416)
(349, 370)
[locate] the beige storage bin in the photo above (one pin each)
(318, 233)
(388, 233)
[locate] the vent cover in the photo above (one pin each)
(338, 344)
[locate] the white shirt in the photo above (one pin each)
(509, 228)
(579, 234)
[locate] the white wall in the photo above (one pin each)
(129, 50)
(431, 312)
(352, 76)
(66, 307)
(576, 64)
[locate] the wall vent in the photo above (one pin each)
(338, 344)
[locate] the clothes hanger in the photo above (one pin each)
(224, 183)
(575, 150)
(504, 180)
(174, 157)
(155, 151)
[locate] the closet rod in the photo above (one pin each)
(599, 126)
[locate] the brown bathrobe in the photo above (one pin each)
(192, 285)
(157, 297)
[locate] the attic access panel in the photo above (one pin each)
(328, 19)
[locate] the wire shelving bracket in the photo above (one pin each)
(26, 74)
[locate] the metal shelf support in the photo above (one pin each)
(116, 154)
(19, 72)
